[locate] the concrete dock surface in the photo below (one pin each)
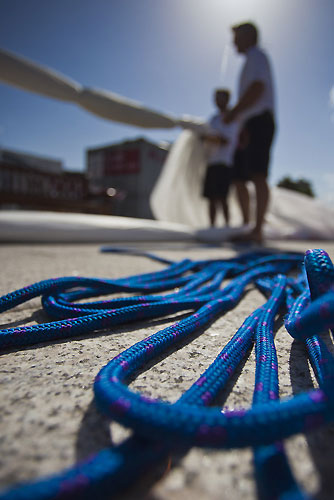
(49, 420)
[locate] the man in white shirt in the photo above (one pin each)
(220, 141)
(255, 113)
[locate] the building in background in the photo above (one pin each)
(118, 180)
(34, 182)
(127, 172)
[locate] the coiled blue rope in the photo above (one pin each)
(190, 421)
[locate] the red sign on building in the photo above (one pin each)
(121, 161)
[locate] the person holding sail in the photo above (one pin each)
(255, 112)
(219, 144)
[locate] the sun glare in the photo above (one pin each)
(232, 11)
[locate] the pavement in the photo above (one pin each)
(48, 416)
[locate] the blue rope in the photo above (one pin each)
(307, 298)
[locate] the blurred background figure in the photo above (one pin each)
(220, 144)
(255, 111)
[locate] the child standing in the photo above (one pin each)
(221, 141)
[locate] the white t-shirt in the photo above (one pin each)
(222, 153)
(257, 68)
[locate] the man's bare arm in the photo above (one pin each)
(219, 140)
(250, 97)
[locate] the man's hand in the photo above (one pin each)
(230, 116)
(217, 140)
(249, 98)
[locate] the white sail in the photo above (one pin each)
(177, 197)
(27, 75)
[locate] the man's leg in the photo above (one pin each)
(262, 133)
(243, 199)
(262, 199)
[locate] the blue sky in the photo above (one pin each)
(169, 55)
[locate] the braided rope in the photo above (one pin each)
(190, 421)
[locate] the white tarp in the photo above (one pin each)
(292, 216)
(119, 109)
(58, 227)
(177, 194)
(20, 72)
(296, 216)
(28, 75)
(177, 198)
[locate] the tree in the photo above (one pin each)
(300, 185)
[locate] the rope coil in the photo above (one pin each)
(309, 301)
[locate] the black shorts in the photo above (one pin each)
(254, 159)
(217, 181)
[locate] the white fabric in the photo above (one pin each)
(177, 193)
(25, 74)
(177, 198)
(292, 217)
(119, 109)
(20, 72)
(223, 153)
(35, 226)
(257, 68)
